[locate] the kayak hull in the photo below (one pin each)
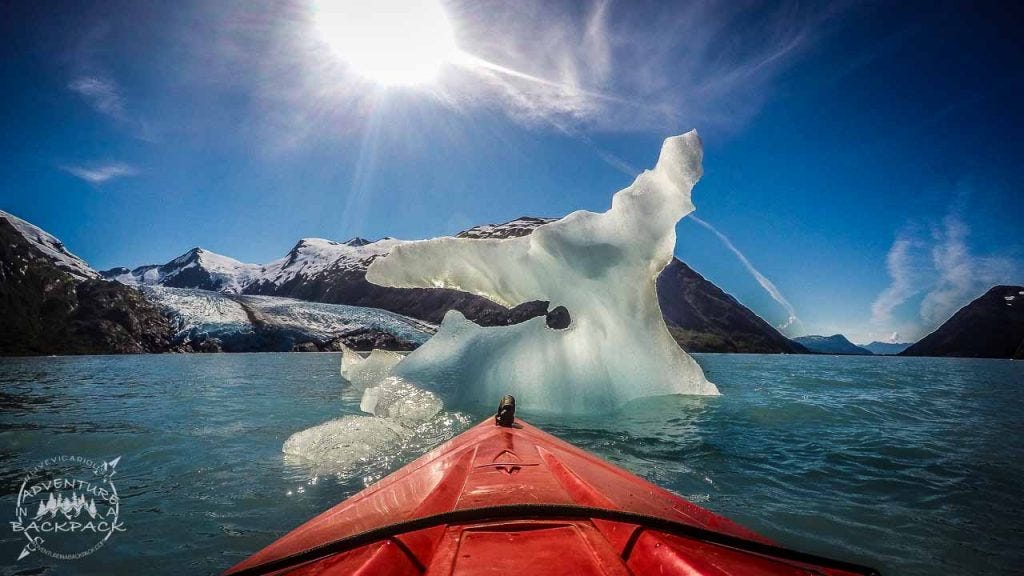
(497, 499)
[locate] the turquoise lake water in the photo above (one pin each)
(912, 465)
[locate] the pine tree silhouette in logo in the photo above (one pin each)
(70, 507)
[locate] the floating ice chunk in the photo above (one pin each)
(365, 372)
(401, 401)
(347, 441)
(366, 445)
(601, 267)
(384, 395)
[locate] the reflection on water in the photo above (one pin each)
(907, 464)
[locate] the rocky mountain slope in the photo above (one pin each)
(701, 316)
(992, 326)
(835, 344)
(51, 302)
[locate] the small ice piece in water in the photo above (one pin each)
(366, 372)
(402, 402)
(601, 267)
(343, 443)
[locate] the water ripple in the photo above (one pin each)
(912, 465)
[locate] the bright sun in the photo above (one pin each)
(392, 42)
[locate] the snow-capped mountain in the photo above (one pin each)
(50, 248)
(206, 270)
(197, 268)
(314, 256)
(316, 270)
(702, 317)
(310, 259)
(52, 302)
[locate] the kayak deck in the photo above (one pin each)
(497, 499)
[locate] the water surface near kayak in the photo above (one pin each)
(912, 465)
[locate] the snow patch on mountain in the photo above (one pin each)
(512, 229)
(312, 256)
(51, 247)
(200, 268)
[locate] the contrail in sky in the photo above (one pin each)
(624, 167)
(765, 283)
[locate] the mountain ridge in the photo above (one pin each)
(52, 302)
(835, 344)
(990, 326)
(886, 348)
(321, 270)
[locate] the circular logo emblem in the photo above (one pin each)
(67, 507)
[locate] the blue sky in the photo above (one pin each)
(863, 159)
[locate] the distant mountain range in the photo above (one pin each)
(700, 315)
(835, 344)
(992, 326)
(886, 348)
(136, 316)
(317, 297)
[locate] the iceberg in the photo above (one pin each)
(603, 342)
(597, 269)
(344, 443)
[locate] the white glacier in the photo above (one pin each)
(245, 323)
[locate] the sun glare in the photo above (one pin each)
(392, 42)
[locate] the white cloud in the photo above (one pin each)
(943, 268)
(102, 94)
(98, 174)
(903, 279)
(614, 67)
(962, 276)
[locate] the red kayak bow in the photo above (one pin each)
(507, 498)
